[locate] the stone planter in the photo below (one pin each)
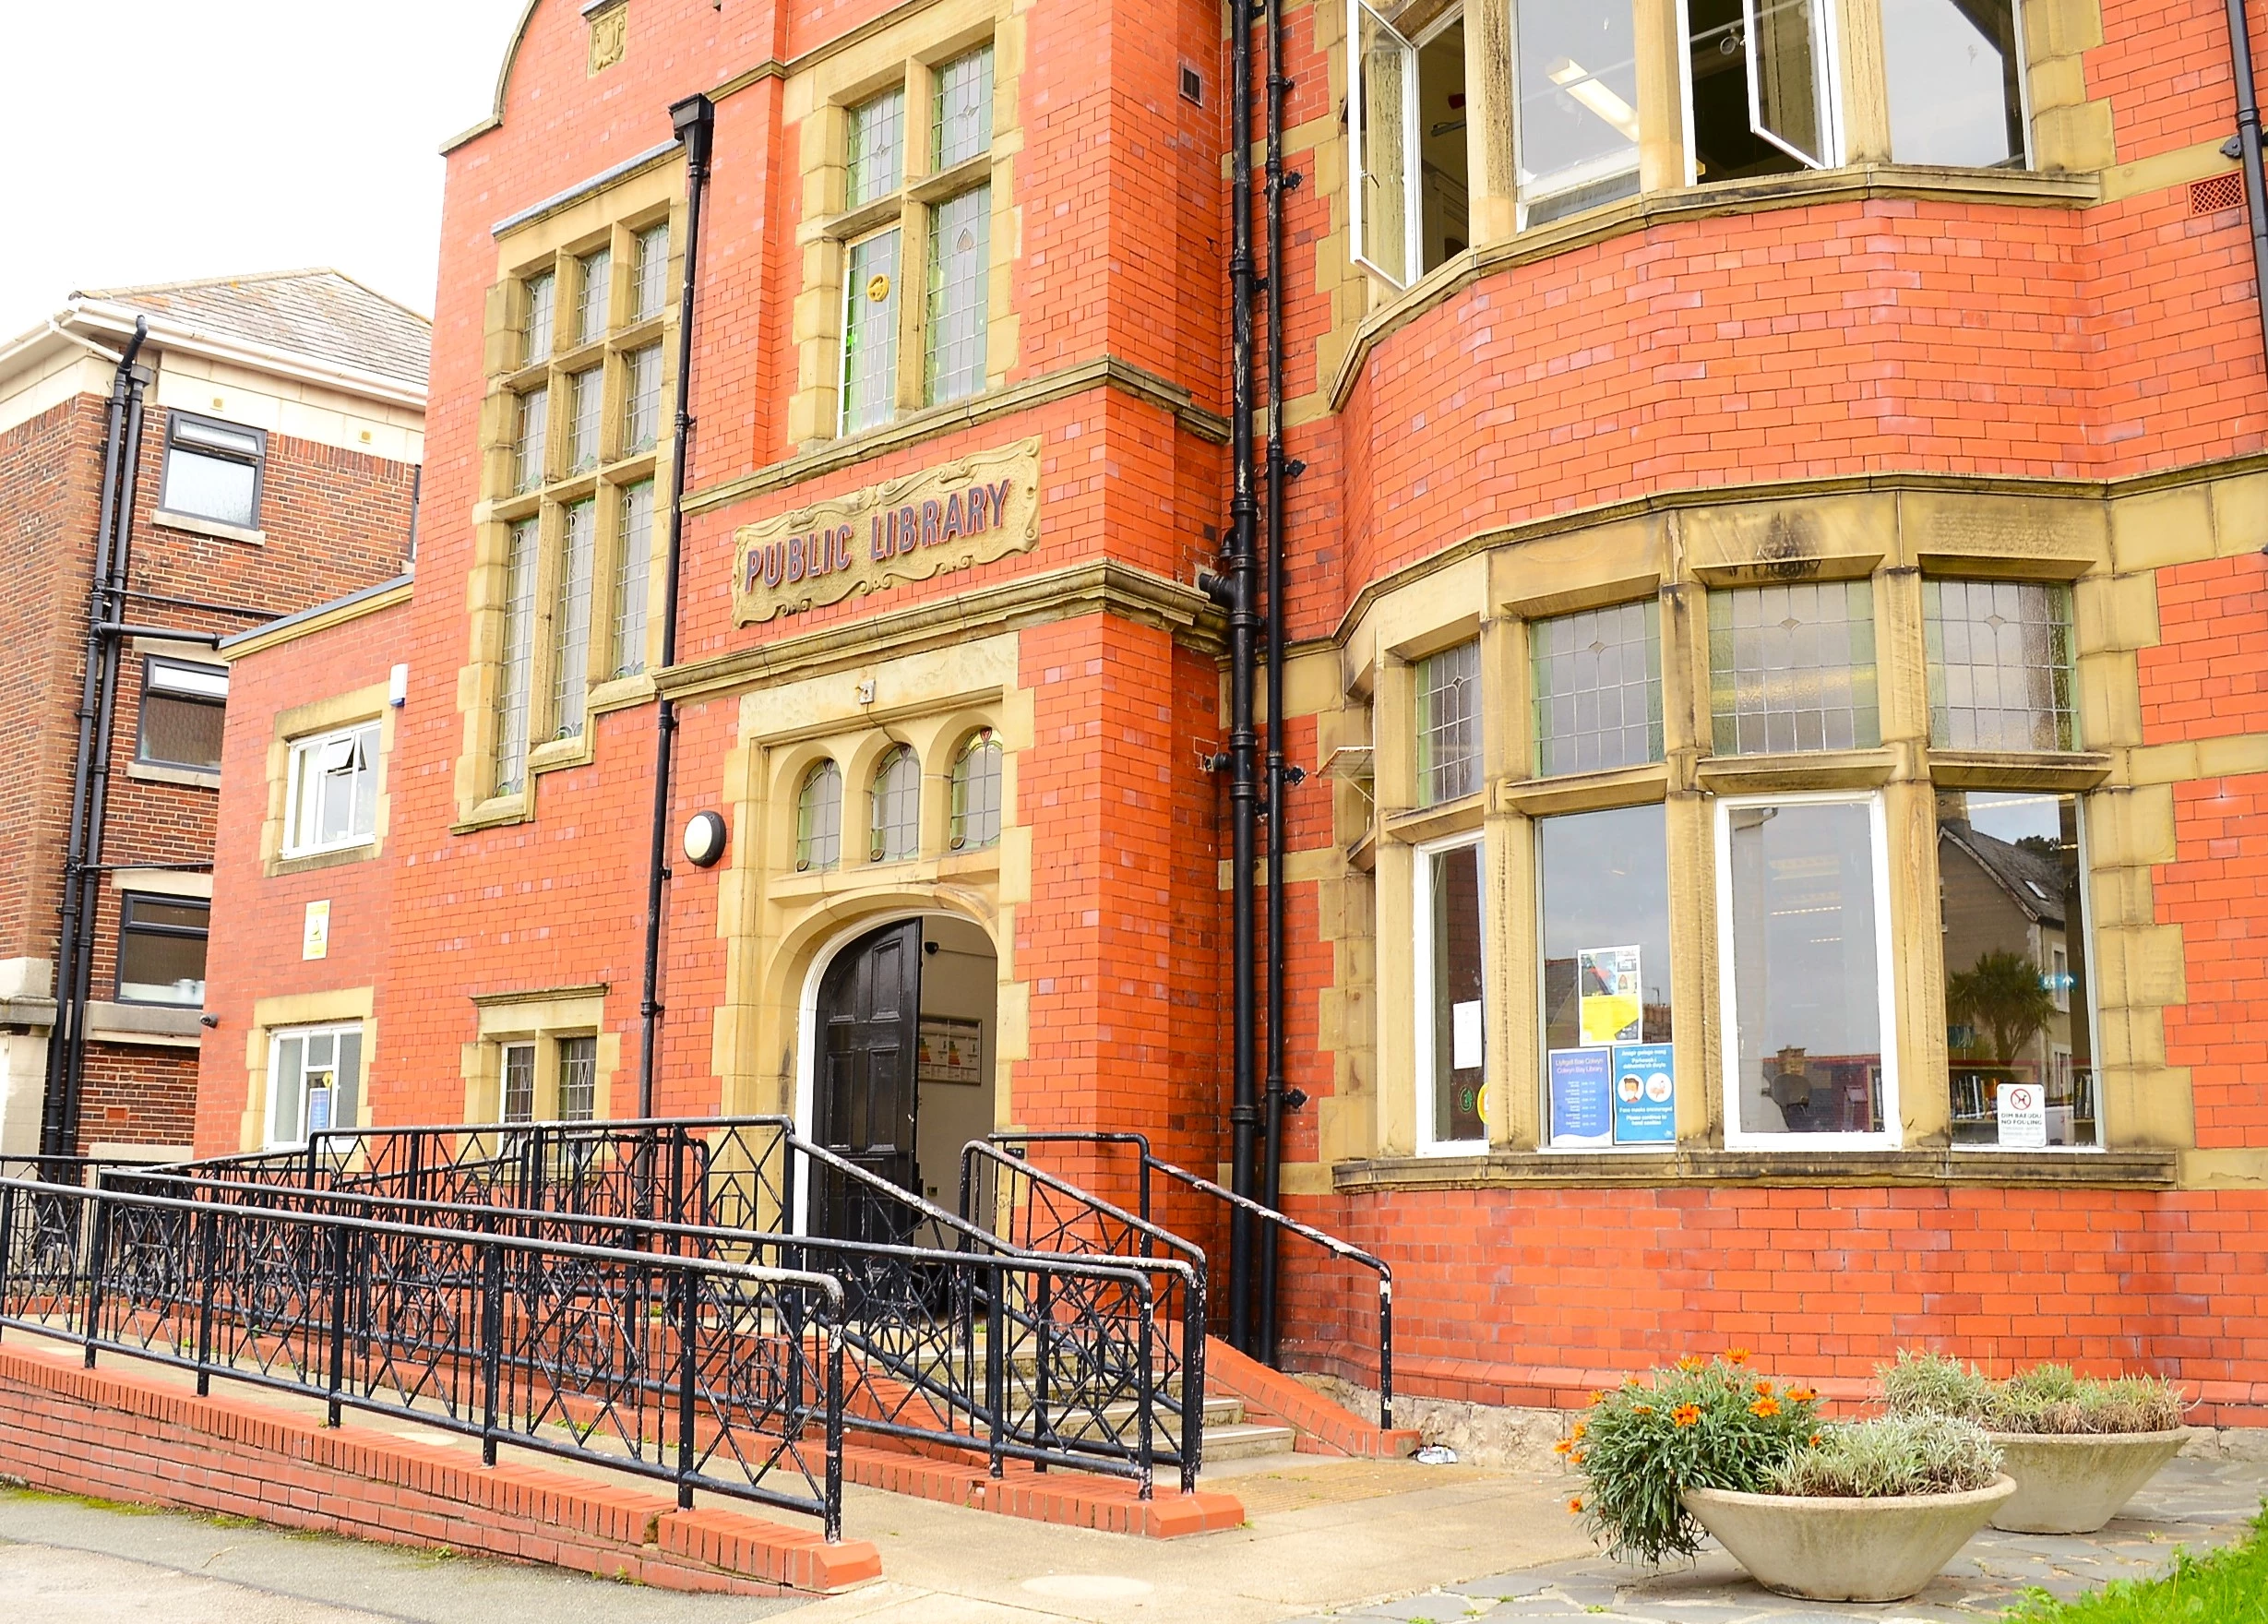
(1845, 1550)
(2073, 1483)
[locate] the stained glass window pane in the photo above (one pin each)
(2001, 669)
(1598, 688)
(1792, 668)
(1448, 724)
(961, 123)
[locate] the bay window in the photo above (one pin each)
(1575, 130)
(1792, 668)
(1954, 70)
(1451, 1028)
(1448, 724)
(2000, 664)
(1597, 686)
(1804, 967)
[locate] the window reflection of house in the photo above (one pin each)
(2016, 1008)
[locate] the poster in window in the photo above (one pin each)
(1581, 1097)
(950, 1050)
(318, 1110)
(1613, 1005)
(1645, 1094)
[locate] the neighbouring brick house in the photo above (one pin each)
(1774, 633)
(281, 429)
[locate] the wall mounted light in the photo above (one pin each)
(704, 841)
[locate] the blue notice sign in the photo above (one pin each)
(1645, 1094)
(1581, 1097)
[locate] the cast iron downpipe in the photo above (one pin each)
(91, 767)
(693, 120)
(1279, 778)
(1243, 742)
(2249, 150)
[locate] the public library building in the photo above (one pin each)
(1773, 636)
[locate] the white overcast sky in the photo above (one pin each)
(158, 140)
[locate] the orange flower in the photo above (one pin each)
(1763, 1387)
(1577, 1457)
(1575, 1505)
(1562, 1447)
(1686, 1415)
(1581, 1428)
(1802, 1395)
(1767, 1408)
(1597, 1399)
(1692, 1362)
(1737, 1356)
(1642, 1409)
(1815, 1439)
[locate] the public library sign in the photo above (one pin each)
(969, 511)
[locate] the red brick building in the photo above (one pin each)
(1774, 511)
(267, 444)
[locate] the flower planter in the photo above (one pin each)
(2073, 1483)
(1845, 1550)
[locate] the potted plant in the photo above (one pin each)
(1867, 1513)
(2077, 1448)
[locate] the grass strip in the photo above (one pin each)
(2227, 1587)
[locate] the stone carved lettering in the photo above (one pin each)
(973, 510)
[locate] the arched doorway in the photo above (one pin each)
(903, 1062)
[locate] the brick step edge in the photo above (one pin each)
(1319, 1427)
(115, 1435)
(1067, 1499)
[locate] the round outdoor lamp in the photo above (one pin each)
(704, 839)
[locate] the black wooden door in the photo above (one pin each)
(869, 1018)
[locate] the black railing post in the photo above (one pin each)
(689, 1320)
(1192, 1380)
(1386, 1352)
(492, 1340)
(995, 1331)
(341, 1259)
(7, 1240)
(834, 1436)
(1046, 1311)
(1145, 1388)
(97, 1246)
(208, 1269)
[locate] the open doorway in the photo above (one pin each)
(903, 1048)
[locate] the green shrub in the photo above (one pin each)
(1897, 1454)
(1710, 1423)
(2046, 1398)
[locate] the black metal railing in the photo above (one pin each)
(956, 1333)
(705, 1372)
(1149, 1167)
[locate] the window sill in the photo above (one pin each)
(1805, 770)
(165, 519)
(165, 1026)
(619, 694)
(1585, 792)
(309, 861)
(553, 754)
(1461, 815)
(2071, 771)
(1708, 1165)
(517, 807)
(191, 777)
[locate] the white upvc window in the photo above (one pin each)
(1450, 918)
(315, 1081)
(334, 791)
(1381, 105)
(1786, 53)
(1806, 973)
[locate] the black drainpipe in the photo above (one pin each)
(1238, 593)
(1281, 776)
(2249, 150)
(693, 119)
(91, 767)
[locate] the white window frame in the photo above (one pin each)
(312, 749)
(1829, 44)
(1728, 971)
(296, 1139)
(1413, 224)
(1422, 985)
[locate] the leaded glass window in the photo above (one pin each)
(1598, 688)
(977, 794)
(542, 292)
(959, 250)
(585, 390)
(1448, 724)
(528, 440)
(960, 114)
(517, 660)
(519, 1082)
(878, 148)
(870, 333)
(571, 656)
(578, 1079)
(650, 272)
(641, 398)
(1792, 668)
(2000, 673)
(818, 818)
(897, 806)
(634, 557)
(595, 270)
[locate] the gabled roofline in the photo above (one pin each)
(115, 294)
(504, 78)
(102, 319)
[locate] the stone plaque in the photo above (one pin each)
(610, 31)
(969, 511)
